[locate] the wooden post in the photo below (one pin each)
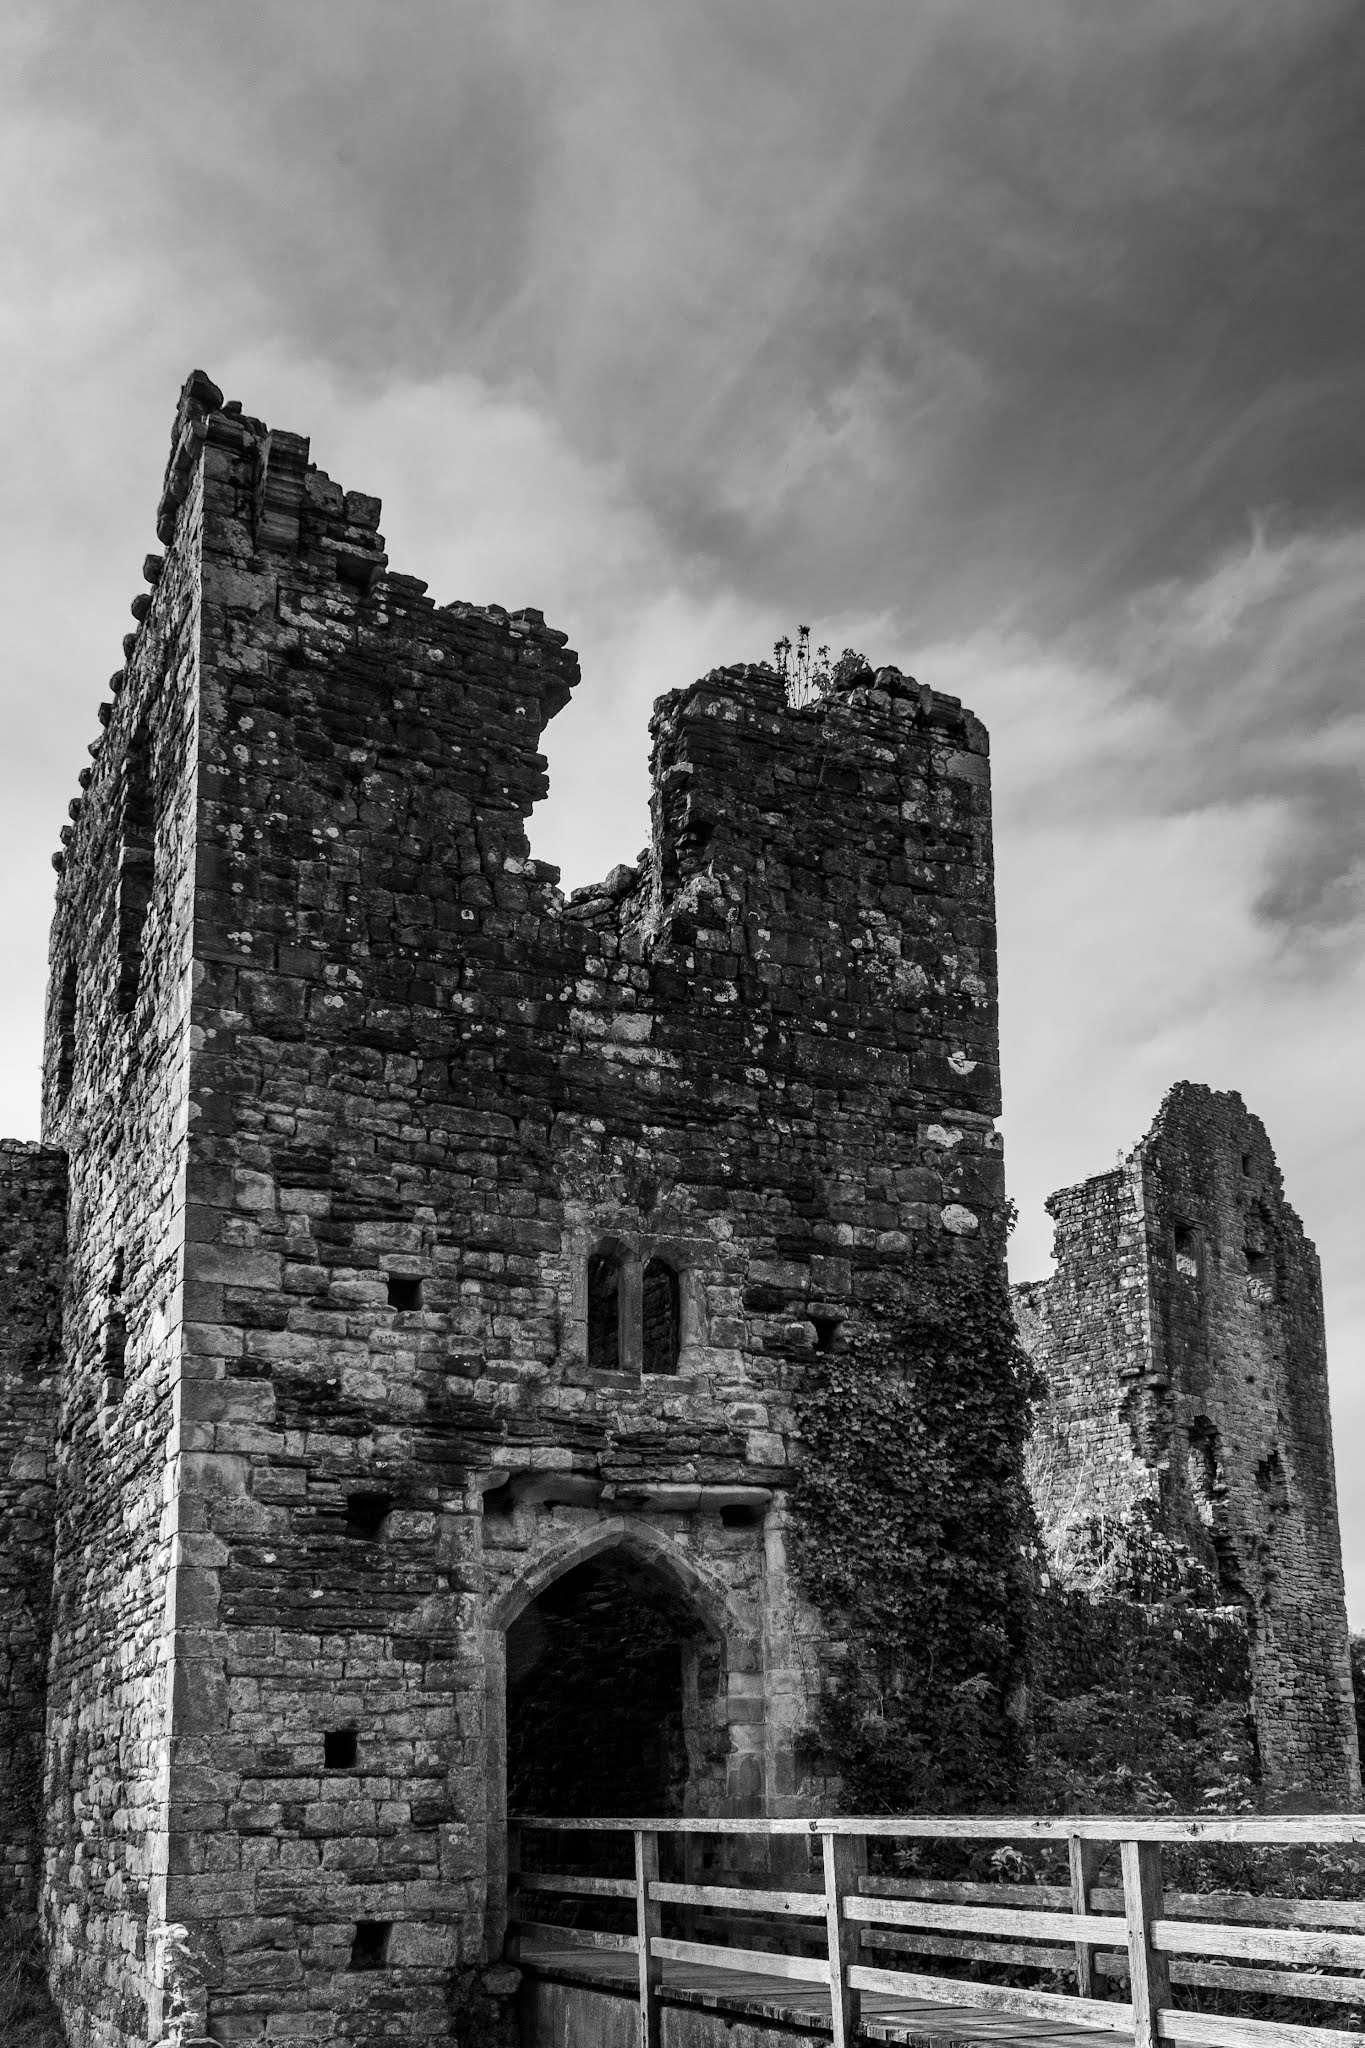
(648, 1924)
(1148, 1971)
(845, 1862)
(1086, 1858)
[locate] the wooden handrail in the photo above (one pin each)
(1099, 1934)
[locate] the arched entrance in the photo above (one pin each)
(612, 1691)
(619, 1682)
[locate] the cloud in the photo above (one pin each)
(1020, 343)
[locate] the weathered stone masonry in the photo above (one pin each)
(32, 1246)
(1181, 1338)
(351, 1097)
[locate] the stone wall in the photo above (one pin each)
(32, 1249)
(115, 1080)
(1182, 1341)
(377, 1097)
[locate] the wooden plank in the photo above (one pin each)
(574, 1937)
(1148, 1978)
(1105, 1827)
(1230, 1977)
(986, 1920)
(1268, 1944)
(845, 1863)
(1256, 1909)
(971, 1951)
(796, 1969)
(1112, 2018)
(1085, 1859)
(648, 1928)
(1040, 1898)
(736, 1899)
(578, 1887)
(1221, 2031)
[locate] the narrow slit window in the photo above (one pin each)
(136, 851)
(115, 1334)
(662, 1311)
(66, 1033)
(604, 1312)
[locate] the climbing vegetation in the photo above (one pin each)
(914, 1539)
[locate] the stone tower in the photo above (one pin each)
(1181, 1338)
(431, 1239)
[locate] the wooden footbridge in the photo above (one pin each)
(777, 1928)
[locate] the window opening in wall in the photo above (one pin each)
(366, 1514)
(604, 1312)
(66, 1033)
(499, 1500)
(1270, 1477)
(115, 1335)
(1186, 1251)
(1209, 1492)
(1246, 1162)
(405, 1291)
(662, 1310)
(1262, 1275)
(339, 1749)
(825, 1327)
(740, 1515)
(370, 1948)
(137, 839)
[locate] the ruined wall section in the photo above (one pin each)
(1181, 1339)
(115, 1098)
(32, 1252)
(769, 1054)
(1238, 1336)
(1096, 1440)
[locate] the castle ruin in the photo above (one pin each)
(1181, 1343)
(417, 1264)
(433, 1243)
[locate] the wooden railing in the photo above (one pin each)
(816, 1927)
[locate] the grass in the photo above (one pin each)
(28, 2018)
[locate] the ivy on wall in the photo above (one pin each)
(914, 1539)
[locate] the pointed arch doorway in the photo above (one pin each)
(610, 1672)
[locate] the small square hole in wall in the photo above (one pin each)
(339, 1749)
(369, 1950)
(366, 1514)
(405, 1291)
(825, 1328)
(741, 1516)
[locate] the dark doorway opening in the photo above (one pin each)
(597, 1694)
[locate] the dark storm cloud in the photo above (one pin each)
(1080, 280)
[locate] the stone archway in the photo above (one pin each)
(694, 1657)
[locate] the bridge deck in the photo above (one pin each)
(753, 1996)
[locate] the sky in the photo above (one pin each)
(1020, 343)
